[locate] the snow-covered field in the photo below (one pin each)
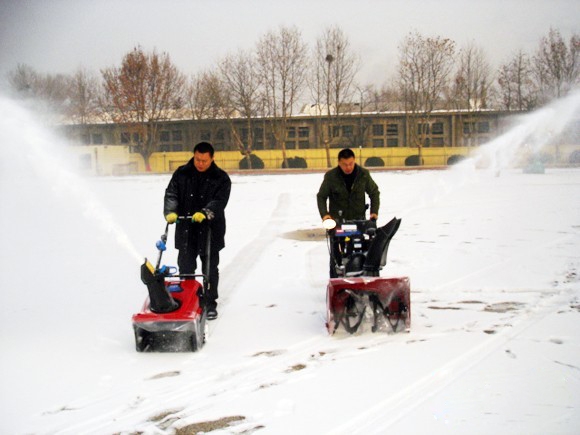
(494, 262)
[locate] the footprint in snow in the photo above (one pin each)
(295, 368)
(269, 353)
(510, 354)
(503, 307)
(164, 375)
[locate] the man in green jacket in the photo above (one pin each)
(344, 188)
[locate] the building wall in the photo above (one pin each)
(117, 160)
(390, 139)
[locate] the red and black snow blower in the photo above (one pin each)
(356, 294)
(173, 317)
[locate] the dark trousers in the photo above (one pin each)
(187, 263)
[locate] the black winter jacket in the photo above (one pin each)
(190, 191)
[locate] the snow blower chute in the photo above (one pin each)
(173, 316)
(356, 294)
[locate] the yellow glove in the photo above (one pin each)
(198, 217)
(171, 218)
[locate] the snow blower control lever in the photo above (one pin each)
(154, 277)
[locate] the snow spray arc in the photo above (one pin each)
(533, 132)
(26, 145)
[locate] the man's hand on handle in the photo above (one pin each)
(171, 218)
(198, 217)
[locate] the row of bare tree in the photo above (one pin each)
(281, 72)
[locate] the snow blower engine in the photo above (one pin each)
(356, 294)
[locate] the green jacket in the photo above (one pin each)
(333, 189)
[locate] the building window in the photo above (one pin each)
(303, 144)
(392, 129)
(392, 142)
(423, 128)
(259, 138)
(164, 148)
(290, 145)
(303, 132)
(164, 136)
(205, 135)
(347, 130)
(378, 143)
(290, 132)
(378, 130)
(483, 127)
(125, 137)
(437, 128)
(136, 138)
(177, 135)
(468, 127)
(177, 147)
(97, 138)
(335, 131)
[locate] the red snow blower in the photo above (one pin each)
(173, 316)
(356, 294)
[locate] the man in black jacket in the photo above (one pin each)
(201, 190)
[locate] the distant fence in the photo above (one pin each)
(117, 160)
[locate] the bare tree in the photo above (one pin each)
(143, 91)
(557, 65)
(425, 65)
(205, 95)
(335, 68)
(83, 91)
(471, 86)
(242, 83)
(282, 66)
(517, 88)
(23, 81)
(47, 94)
(473, 79)
(206, 99)
(364, 96)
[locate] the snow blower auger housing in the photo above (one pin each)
(173, 316)
(356, 294)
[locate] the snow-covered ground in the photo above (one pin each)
(494, 262)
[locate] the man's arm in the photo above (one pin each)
(374, 194)
(171, 199)
(222, 195)
(322, 197)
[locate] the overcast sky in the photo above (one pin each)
(59, 36)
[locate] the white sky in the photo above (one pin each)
(62, 35)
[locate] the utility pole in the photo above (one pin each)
(329, 59)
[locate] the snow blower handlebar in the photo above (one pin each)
(161, 244)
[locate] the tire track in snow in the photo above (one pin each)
(228, 382)
(233, 274)
(381, 416)
(224, 385)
